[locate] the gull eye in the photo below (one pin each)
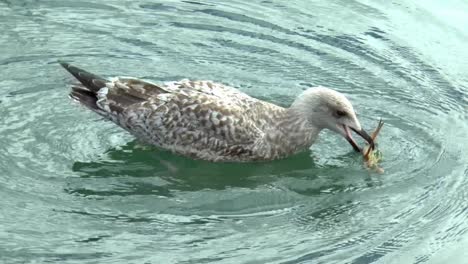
(340, 113)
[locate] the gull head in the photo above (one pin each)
(325, 108)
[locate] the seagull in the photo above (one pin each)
(211, 121)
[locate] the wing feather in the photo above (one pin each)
(194, 123)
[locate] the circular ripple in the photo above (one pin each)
(74, 183)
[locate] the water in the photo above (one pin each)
(76, 189)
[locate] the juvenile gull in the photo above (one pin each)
(211, 121)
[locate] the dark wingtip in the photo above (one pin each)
(63, 63)
(89, 80)
(75, 71)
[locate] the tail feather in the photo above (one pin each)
(119, 94)
(85, 97)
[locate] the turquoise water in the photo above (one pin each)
(77, 189)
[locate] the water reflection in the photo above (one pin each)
(183, 174)
(145, 170)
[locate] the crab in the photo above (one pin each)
(372, 156)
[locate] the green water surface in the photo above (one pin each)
(77, 189)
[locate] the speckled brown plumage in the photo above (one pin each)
(199, 119)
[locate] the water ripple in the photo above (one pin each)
(80, 189)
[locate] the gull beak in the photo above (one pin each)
(361, 133)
